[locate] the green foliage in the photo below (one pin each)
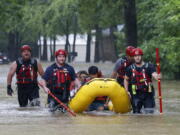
(11, 15)
(158, 23)
(103, 13)
(159, 28)
(51, 17)
(120, 43)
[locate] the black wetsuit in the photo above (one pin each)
(142, 94)
(28, 89)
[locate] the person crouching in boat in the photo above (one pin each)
(59, 77)
(99, 103)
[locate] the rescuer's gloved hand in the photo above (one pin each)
(9, 90)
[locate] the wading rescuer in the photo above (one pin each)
(58, 78)
(121, 65)
(138, 81)
(26, 69)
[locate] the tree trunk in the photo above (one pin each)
(177, 74)
(75, 28)
(74, 45)
(40, 47)
(13, 45)
(54, 46)
(67, 42)
(101, 47)
(97, 44)
(17, 43)
(114, 41)
(35, 48)
(74, 42)
(44, 56)
(67, 46)
(130, 22)
(88, 47)
(51, 50)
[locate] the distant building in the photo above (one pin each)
(81, 41)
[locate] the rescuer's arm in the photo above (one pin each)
(40, 69)
(74, 78)
(46, 76)
(126, 82)
(152, 70)
(42, 83)
(9, 78)
(11, 73)
(114, 74)
(156, 76)
(116, 67)
(77, 83)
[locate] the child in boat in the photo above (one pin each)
(82, 76)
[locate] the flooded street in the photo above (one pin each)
(39, 121)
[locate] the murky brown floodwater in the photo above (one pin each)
(38, 121)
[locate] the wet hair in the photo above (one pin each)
(92, 70)
(82, 72)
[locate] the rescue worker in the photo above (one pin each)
(121, 65)
(100, 103)
(58, 78)
(26, 69)
(138, 81)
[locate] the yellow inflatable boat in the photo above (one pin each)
(101, 87)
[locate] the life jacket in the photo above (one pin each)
(122, 68)
(100, 75)
(100, 99)
(60, 79)
(26, 72)
(140, 80)
(60, 83)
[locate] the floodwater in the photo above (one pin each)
(39, 121)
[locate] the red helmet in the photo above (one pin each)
(60, 52)
(25, 47)
(137, 51)
(129, 50)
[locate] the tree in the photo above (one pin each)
(130, 22)
(11, 24)
(99, 15)
(88, 47)
(160, 29)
